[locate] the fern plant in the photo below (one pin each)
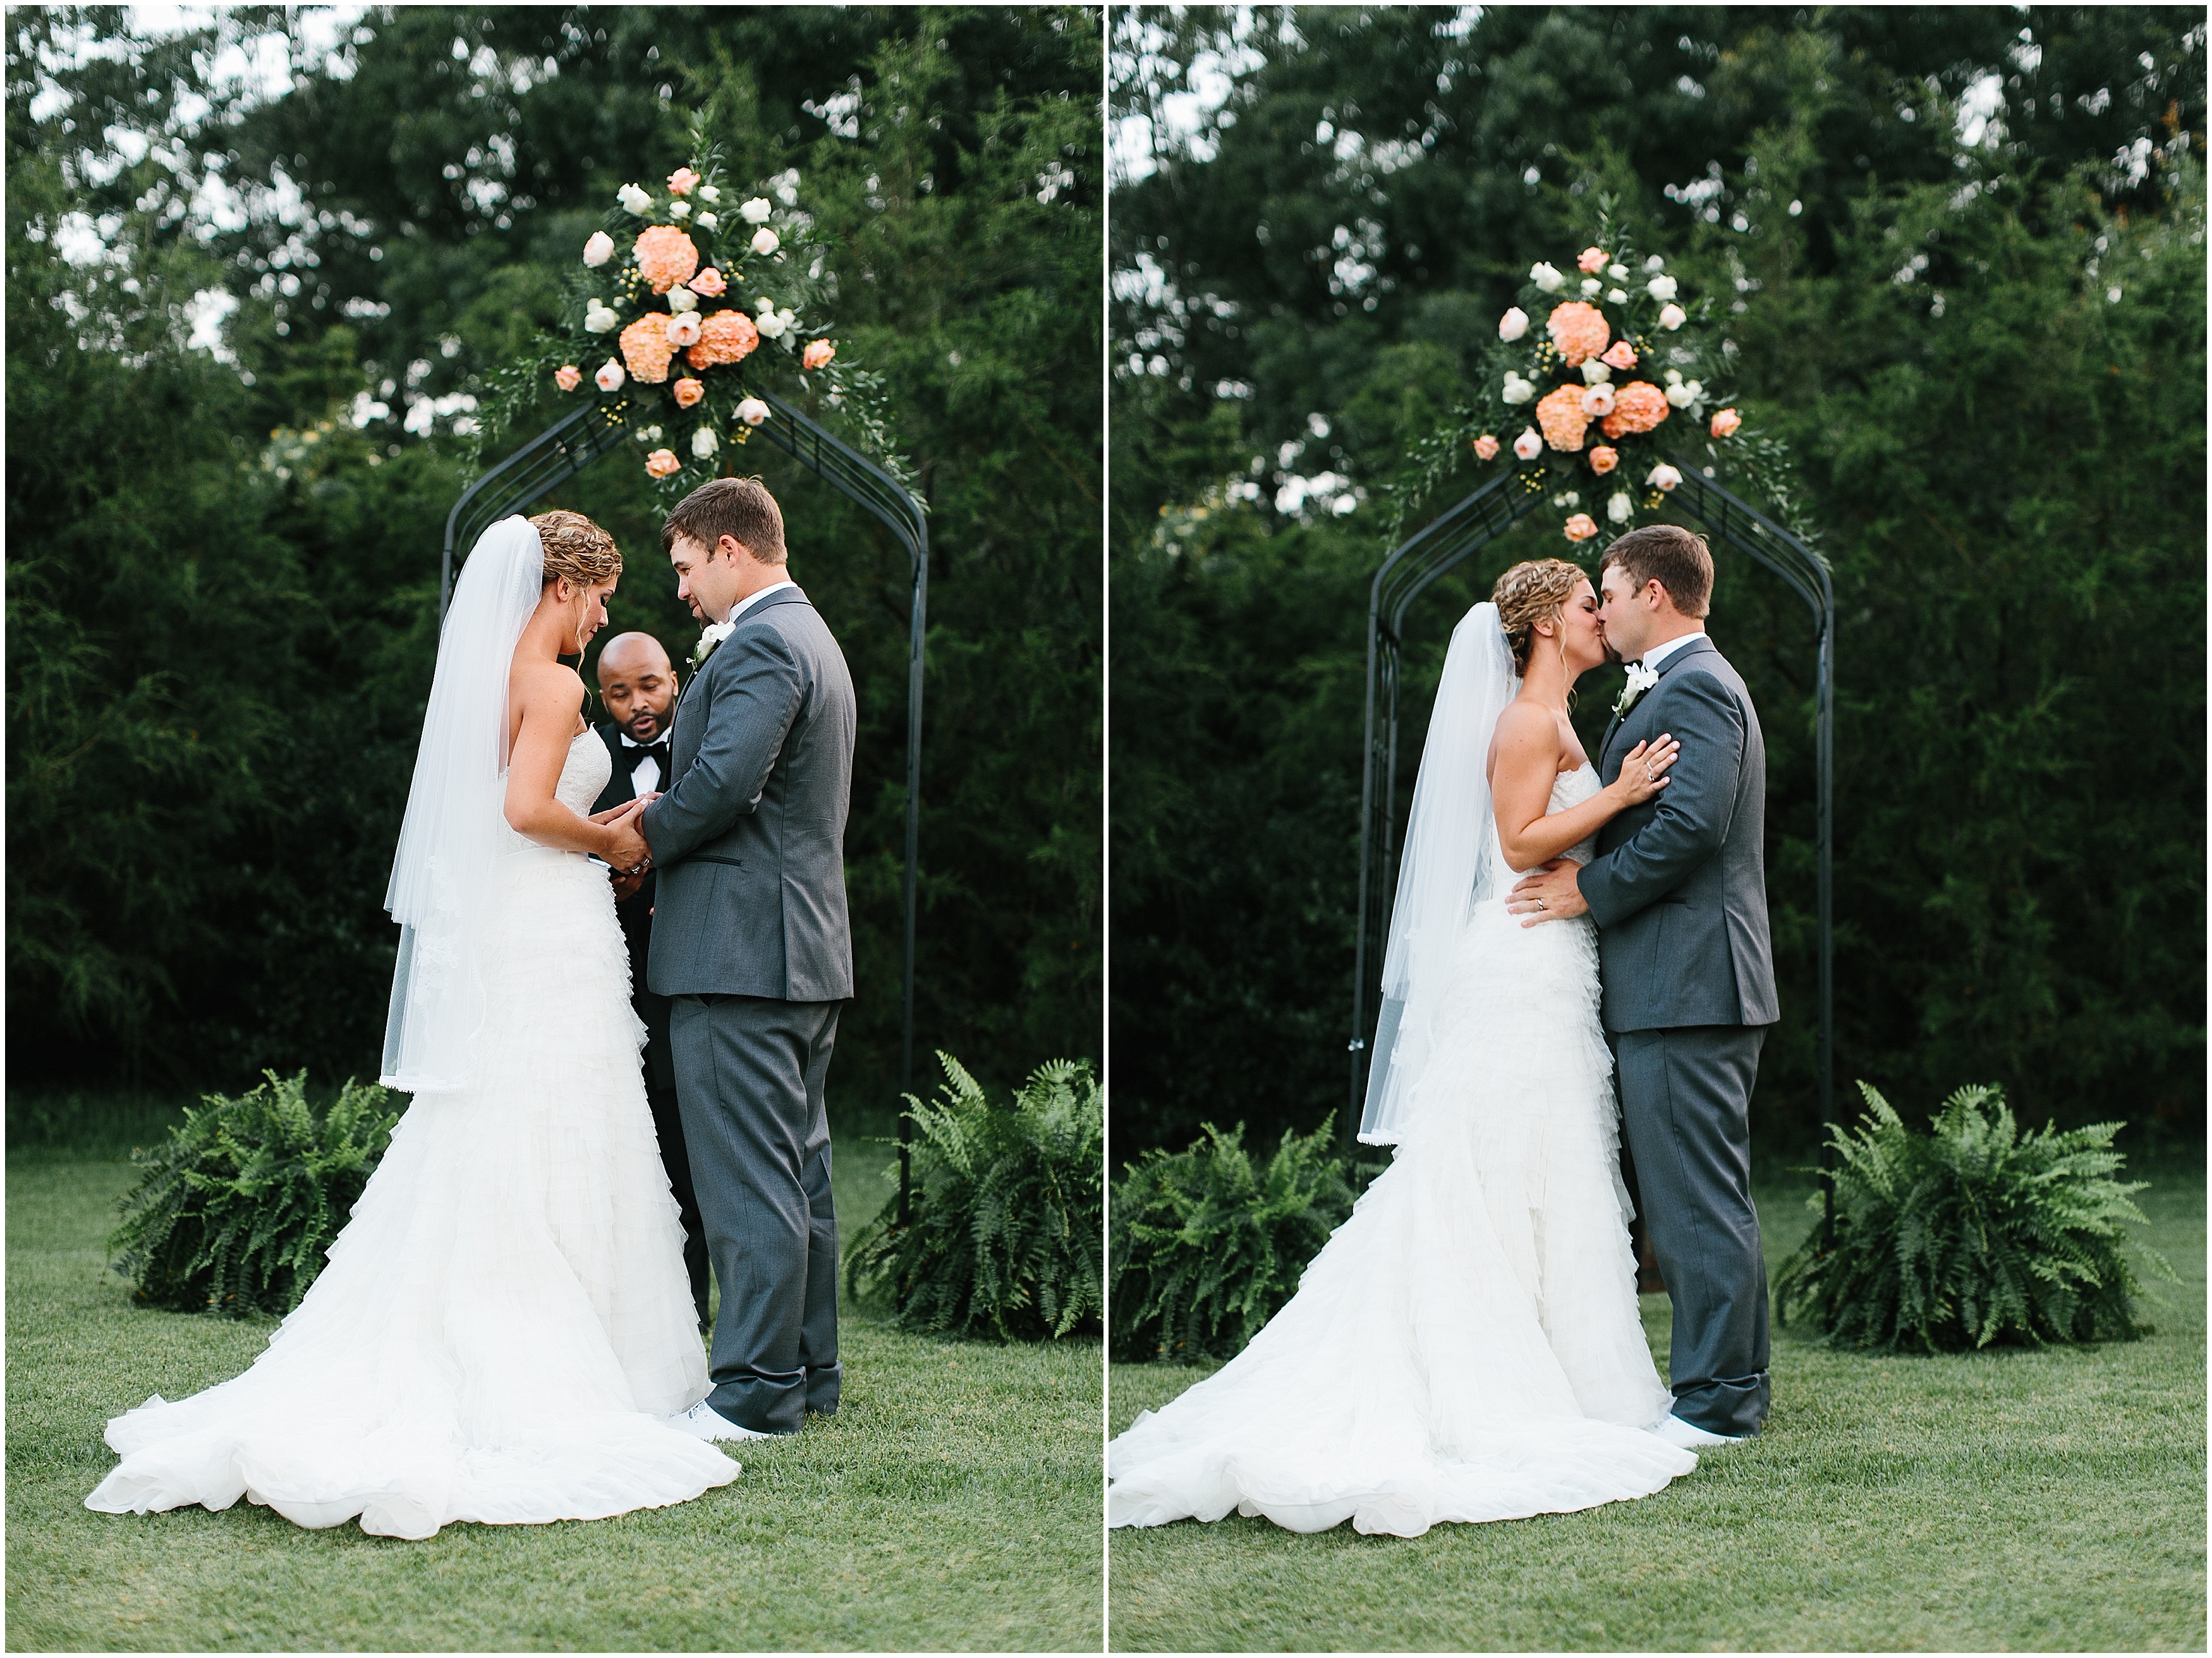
(1971, 1235)
(1004, 1211)
(232, 1213)
(1208, 1243)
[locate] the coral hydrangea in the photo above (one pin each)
(1638, 406)
(725, 336)
(1561, 416)
(646, 348)
(1579, 330)
(666, 257)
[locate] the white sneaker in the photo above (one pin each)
(703, 1421)
(1688, 1435)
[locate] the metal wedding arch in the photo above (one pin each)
(1448, 542)
(582, 436)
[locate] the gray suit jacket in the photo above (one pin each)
(748, 840)
(1679, 886)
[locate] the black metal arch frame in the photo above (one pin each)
(1448, 542)
(582, 436)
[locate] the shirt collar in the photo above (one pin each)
(751, 599)
(1659, 653)
(629, 742)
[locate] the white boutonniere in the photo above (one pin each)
(1640, 680)
(707, 640)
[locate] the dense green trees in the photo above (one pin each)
(1962, 252)
(223, 562)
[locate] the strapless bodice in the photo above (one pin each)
(1570, 789)
(583, 774)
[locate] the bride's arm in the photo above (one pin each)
(1525, 764)
(551, 697)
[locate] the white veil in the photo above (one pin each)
(1448, 842)
(456, 827)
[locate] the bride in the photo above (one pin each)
(504, 1326)
(1467, 1345)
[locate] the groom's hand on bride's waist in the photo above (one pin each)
(1549, 894)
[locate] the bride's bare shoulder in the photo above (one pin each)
(548, 684)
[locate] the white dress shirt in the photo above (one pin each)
(646, 777)
(1659, 653)
(751, 599)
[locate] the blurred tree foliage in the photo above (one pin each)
(1962, 251)
(247, 311)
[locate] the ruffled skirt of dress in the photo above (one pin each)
(504, 1325)
(1467, 1345)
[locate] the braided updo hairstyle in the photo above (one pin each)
(1535, 591)
(577, 548)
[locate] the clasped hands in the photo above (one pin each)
(1553, 891)
(629, 857)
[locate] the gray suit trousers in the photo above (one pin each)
(1684, 1094)
(750, 1074)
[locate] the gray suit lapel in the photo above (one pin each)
(1699, 646)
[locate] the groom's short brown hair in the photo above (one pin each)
(729, 506)
(1671, 555)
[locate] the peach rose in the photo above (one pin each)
(1592, 261)
(684, 329)
(1580, 527)
(1486, 447)
(1638, 406)
(610, 376)
(1725, 422)
(1603, 460)
(1561, 416)
(1529, 444)
(725, 336)
(817, 353)
(666, 257)
(1579, 330)
(568, 376)
(709, 281)
(661, 462)
(687, 392)
(682, 181)
(645, 348)
(1622, 356)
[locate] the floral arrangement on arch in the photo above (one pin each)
(1604, 382)
(687, 301)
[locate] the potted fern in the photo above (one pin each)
(1971, 1235)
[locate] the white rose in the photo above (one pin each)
(1681, 396)
(1617, 272)
(1616, 297)
(609, 377)
(784, 330)
(1674, 377)
(708, 222)
(756, 211)
(679, 209)
(635, 200)
(703, 443)
(1546, 277)
(1518, 390)
(1654, 265)
(1513, 325)
(752, 411)
(682, 299)
(766, 241)
(684, 329)
(1620, 509)
(599, 249)
(1664, 476)
(1595, 371)
(1591, 286)
(708, 193)
(599, 319)
(1597, 402)
(1672, 317)
(1529, 444)
(1659, 287)
(770, 324)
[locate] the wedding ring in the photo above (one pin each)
(1540, 903)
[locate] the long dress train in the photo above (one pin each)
(504, 1325)
(1467, 1345)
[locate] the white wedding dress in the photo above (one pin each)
(1467, 1345)
(504, 1324)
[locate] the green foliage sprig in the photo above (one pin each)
(1208, 1244)
(1002, 1234)
(233, 1211)
(1971, 1235)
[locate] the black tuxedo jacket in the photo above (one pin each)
(635, 915)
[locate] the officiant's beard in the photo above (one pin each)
(657, 718)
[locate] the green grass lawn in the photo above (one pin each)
(952, 1502)
(2049, 1500)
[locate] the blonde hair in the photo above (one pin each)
(1535, 591)
(576, 548)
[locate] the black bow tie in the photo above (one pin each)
(658, 752)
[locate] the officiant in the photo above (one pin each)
(637, 686)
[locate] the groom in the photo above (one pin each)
(1678, 892)
(750, 941)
